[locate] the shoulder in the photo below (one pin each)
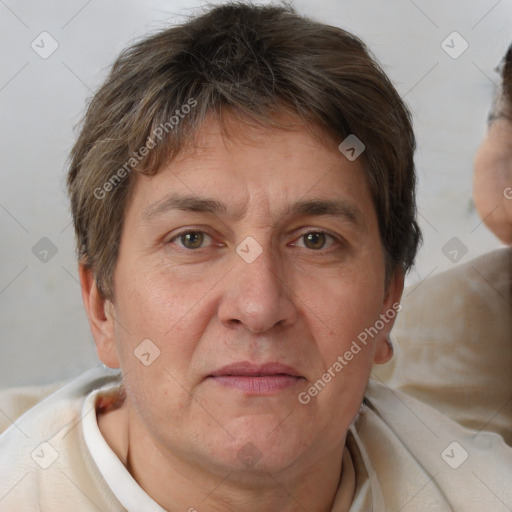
(452, 342)
(42, 452)
(422, 456)
(29, 404)
(16, 401)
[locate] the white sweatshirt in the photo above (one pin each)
(404, 455)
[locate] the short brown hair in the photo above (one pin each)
(255, 61)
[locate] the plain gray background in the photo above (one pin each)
(44, 335)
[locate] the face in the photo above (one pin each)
(252, 264)
(492, 183)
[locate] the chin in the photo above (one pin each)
(264, 444)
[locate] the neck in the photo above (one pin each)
(177, 482)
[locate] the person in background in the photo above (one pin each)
(452, 340)
(492, 184)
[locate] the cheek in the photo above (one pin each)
(161, 322)
(340, 313)
(161, 303)
(155, 343)
(341, 305)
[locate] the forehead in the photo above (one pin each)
(229, 167)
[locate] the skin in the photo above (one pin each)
(299, 303)
(492, 181)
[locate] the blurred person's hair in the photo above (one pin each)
(255, 62)
(507, 80)
(502, 106)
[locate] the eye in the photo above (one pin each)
(190, 239)
(316, 240)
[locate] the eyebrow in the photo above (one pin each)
(338, 208)
(184, 203)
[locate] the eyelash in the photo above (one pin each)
(334, 239)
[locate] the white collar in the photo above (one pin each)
(118, 478)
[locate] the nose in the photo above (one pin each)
(256, 295)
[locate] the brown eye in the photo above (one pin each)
(315, 240)
(192, 239)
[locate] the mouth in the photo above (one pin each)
(266, 379)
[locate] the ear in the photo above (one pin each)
(390, 308)
(101, 318)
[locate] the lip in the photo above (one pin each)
(247, 369)
(262, 379)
